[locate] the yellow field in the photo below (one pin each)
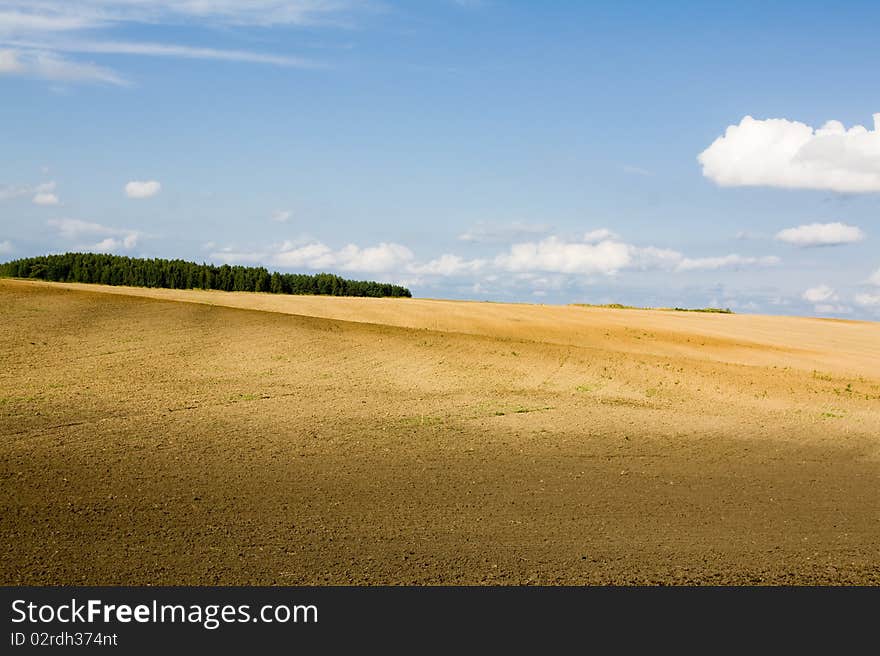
(171, 437)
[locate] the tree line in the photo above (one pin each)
(179, 274)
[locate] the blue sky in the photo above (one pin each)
(644, 153)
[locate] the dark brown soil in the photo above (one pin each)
(146, 441)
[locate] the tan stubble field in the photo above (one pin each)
(188, 437)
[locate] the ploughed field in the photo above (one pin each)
(189, 437)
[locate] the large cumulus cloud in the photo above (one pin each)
(777, 152)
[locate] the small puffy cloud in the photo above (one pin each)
(732, 261)
(109, 239)
(45, 198)
(281, 216)
(827, 308)
(5, 247)
(821, 234)
(111, 245)
(598, 235)
(868, 300)
(875, 278)
(42, 194)
(782, 153)
(142, 189)
(822, 293)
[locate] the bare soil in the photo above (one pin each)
(188, 437)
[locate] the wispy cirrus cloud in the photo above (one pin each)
(46, 65)
(29, 16)
(170, 50)
(732, 261)
(37, 35)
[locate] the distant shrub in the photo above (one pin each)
(708, 309)
(619, 306)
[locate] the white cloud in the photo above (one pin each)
(449, 265)
(110, 239)
(868, 300)
(45, 198)
(9, 62)
(875, 278)
(821, 234)
(108, 245)
(23, 22)
(8, 192)
(555, 255)
(42, 194)
(783, 153)
(599, 235)
(47, 65)
(827, 308)
(160, 50)
(382, 258)
(36, 16)
(610, 256)
(550, 263)
(819, 294)
(651, 257)
(281, 216)
(5, 247)
(32, 31)
(142, 189)
(732, 261)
